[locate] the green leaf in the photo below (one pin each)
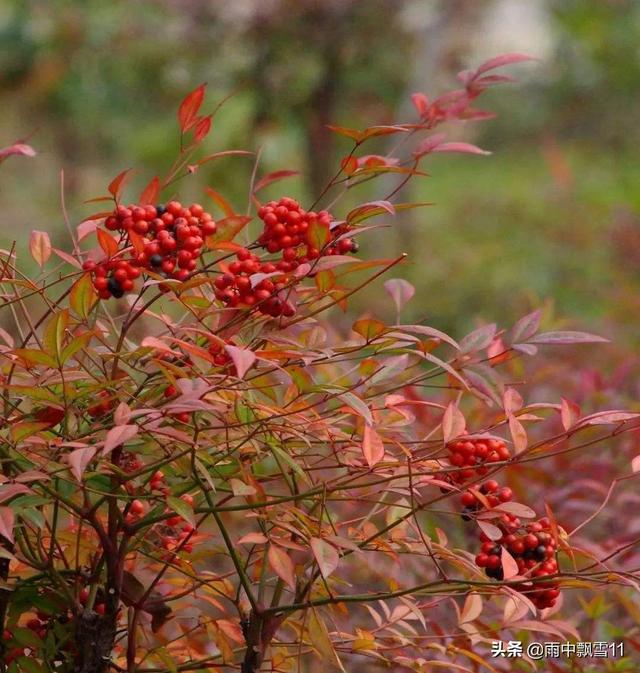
(244, 413)
(283, 455)
(29, 665)
(166, 659)
(181, 508)
(54, 333)
(318, 234)
(83, 297)
(32, 356)
(369, 328)
(21, 431)
(75, 345)
(27, 638)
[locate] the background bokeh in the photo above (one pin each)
(550, 217)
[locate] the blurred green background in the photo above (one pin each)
(550, 217)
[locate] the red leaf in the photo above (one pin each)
(115, 186)
(188, 110)
(372, 446)
(453, 423)
(137, 241)
(225, 206)
(500, 61)
(85, 228)
(428, 144)
(420, 102)
(282, 565)
(400, 291)
(518, 434)
(108, 244)
(348, 133)
(151, 192)
(243, 359)
(326, 556)
(7, 520)
(8, 491)
(119, 435)
(332, 261)
(478, 339)
(374, 131)
(122, 414)
(253, 538)
(67, 258)
(227, 229)
(273, 177)
(19, 149)
(349, 165)
(569, 413)
(512, 400)
(608, 417)
(202, 129)
(79, 459)
(161, 346)
(465, 148)
(509, 565)
(430, 332)
(516, 509)
(225, 153)
(40, 247)
(471, 609)
(568, 337)
(491, 531)
(527, 326)
(370, 209)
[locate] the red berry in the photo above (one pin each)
(137, 507)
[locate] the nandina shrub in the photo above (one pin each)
(201, 472)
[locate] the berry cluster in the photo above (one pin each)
(493, 496)
(157, 483)
(471, 455)
(172, 237)
(113, 277)
(532, 546)
(286, 228)
(221, 358)
(533, 549)
(236, 287)
(176, 532)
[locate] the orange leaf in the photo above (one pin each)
(282, 565)
(189, 107)
(326, 555)
(40, 247)
(349, 165)
(107, 243)
(151, 192)
(202, 129)
(227, 229)
(224, 205)
(137, 241)
(273, 177)
(6, 523)
(372, 446)
(115, 186)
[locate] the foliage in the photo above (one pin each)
(192, 482)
